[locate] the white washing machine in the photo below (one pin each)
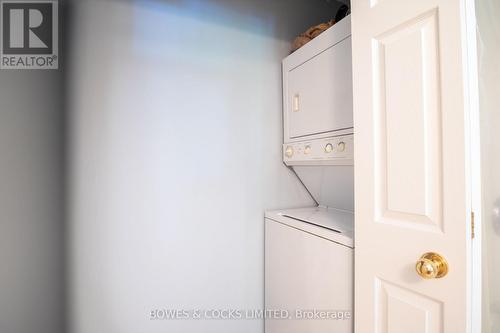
(309, 270)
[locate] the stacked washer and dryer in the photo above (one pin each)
(310, 251)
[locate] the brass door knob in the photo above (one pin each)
(432, 266)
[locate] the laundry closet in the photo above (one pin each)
(203, 151)
(381, 125)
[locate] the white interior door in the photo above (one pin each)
(412, 172)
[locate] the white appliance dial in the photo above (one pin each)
(289, 151)
(307, 150)
(341, 146)
(328, 148)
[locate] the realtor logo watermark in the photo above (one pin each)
(29, 34)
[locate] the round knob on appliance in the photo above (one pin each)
(341, 146)
(289, 151)
(328, 148)
(307, 150)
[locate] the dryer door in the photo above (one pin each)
(320, 92)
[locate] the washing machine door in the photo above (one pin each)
(309, 277)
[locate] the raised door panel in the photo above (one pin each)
(408, 124)
(402, 310)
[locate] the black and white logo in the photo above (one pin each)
(29, 34)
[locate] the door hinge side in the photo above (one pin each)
(473, 231)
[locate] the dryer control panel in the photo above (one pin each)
(337, 150)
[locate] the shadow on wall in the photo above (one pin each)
(245, 15)
(265, 19)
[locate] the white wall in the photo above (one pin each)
(31, 202)
(175, 155)
(488, 13)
